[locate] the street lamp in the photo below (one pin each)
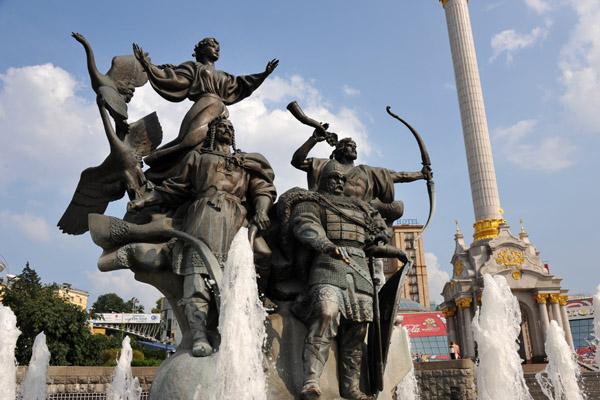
(4, 266)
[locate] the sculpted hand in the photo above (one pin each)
(135, 205)
(100, 101)
(427, 173)
(402, 256)
(320, 134)
(140, 55)
(79, 37)
(261, 220)
(341, 254)
(271, 66)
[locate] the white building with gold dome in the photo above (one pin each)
(494, 250)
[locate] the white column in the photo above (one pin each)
(541, 299)
(464, 305)
(565, 319)
(484, 189)
(450, 314)
(554, 298)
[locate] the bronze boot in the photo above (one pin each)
(196, 313)
(350, 375)
(316, 352)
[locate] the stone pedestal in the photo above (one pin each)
(179, 376)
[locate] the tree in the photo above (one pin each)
(133, 306)
(157, 307)
(39, 308)
(109, 303)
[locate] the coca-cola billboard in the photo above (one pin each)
(424, 324)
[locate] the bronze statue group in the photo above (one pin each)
(312, 247)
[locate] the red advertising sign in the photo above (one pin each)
(424, 324)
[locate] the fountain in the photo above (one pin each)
(33, 386)
(239, 370)
(496, 327)
(408, 388)
(124, 385)
(562, 372)
(9, 333)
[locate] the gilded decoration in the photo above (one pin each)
(464, 302)
(449, 312)
(516, 275)
(554, 297)
(510, 258)
(458, 268)
(562, 300)
(540, 298)
(452, 285)
(446, 1)
(487, 228)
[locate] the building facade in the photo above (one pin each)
(416, 287)
(581, 312)
(75, 296)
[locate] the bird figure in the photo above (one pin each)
(117, 85)
(119, 173)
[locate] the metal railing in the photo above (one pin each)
(81, 396)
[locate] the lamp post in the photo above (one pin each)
(4, 266)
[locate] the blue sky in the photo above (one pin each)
(344, 62)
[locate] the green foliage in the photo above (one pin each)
(146, 363)
(109, 303)
(112, 302)
(157, 307)
(38, 308)
(133, 305)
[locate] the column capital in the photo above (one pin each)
(540, 297)
(562, 300)
(554, 297)
(449, 312)
(464, 302)
(446, 1)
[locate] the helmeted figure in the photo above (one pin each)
(217, 188)
(338, 299)
(364, 182)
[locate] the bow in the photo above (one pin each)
(426, 162)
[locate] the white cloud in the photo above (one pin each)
(436, 278)
(32, 226)
(540, 6)
(262, 124)
(580, 66)
(47, 130)
(510, 41)
(123, 284)
(518, 145)
(348, 91)
(51, 134)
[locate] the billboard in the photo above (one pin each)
(424, 324)
(580, 309)
(128, 318)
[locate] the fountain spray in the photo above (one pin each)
(562, 372)
(496, 327)
(33, 386)
(9, 333)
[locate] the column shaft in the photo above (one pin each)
(566, 325)
(468, 329)
(545, 320)
(484, 189)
